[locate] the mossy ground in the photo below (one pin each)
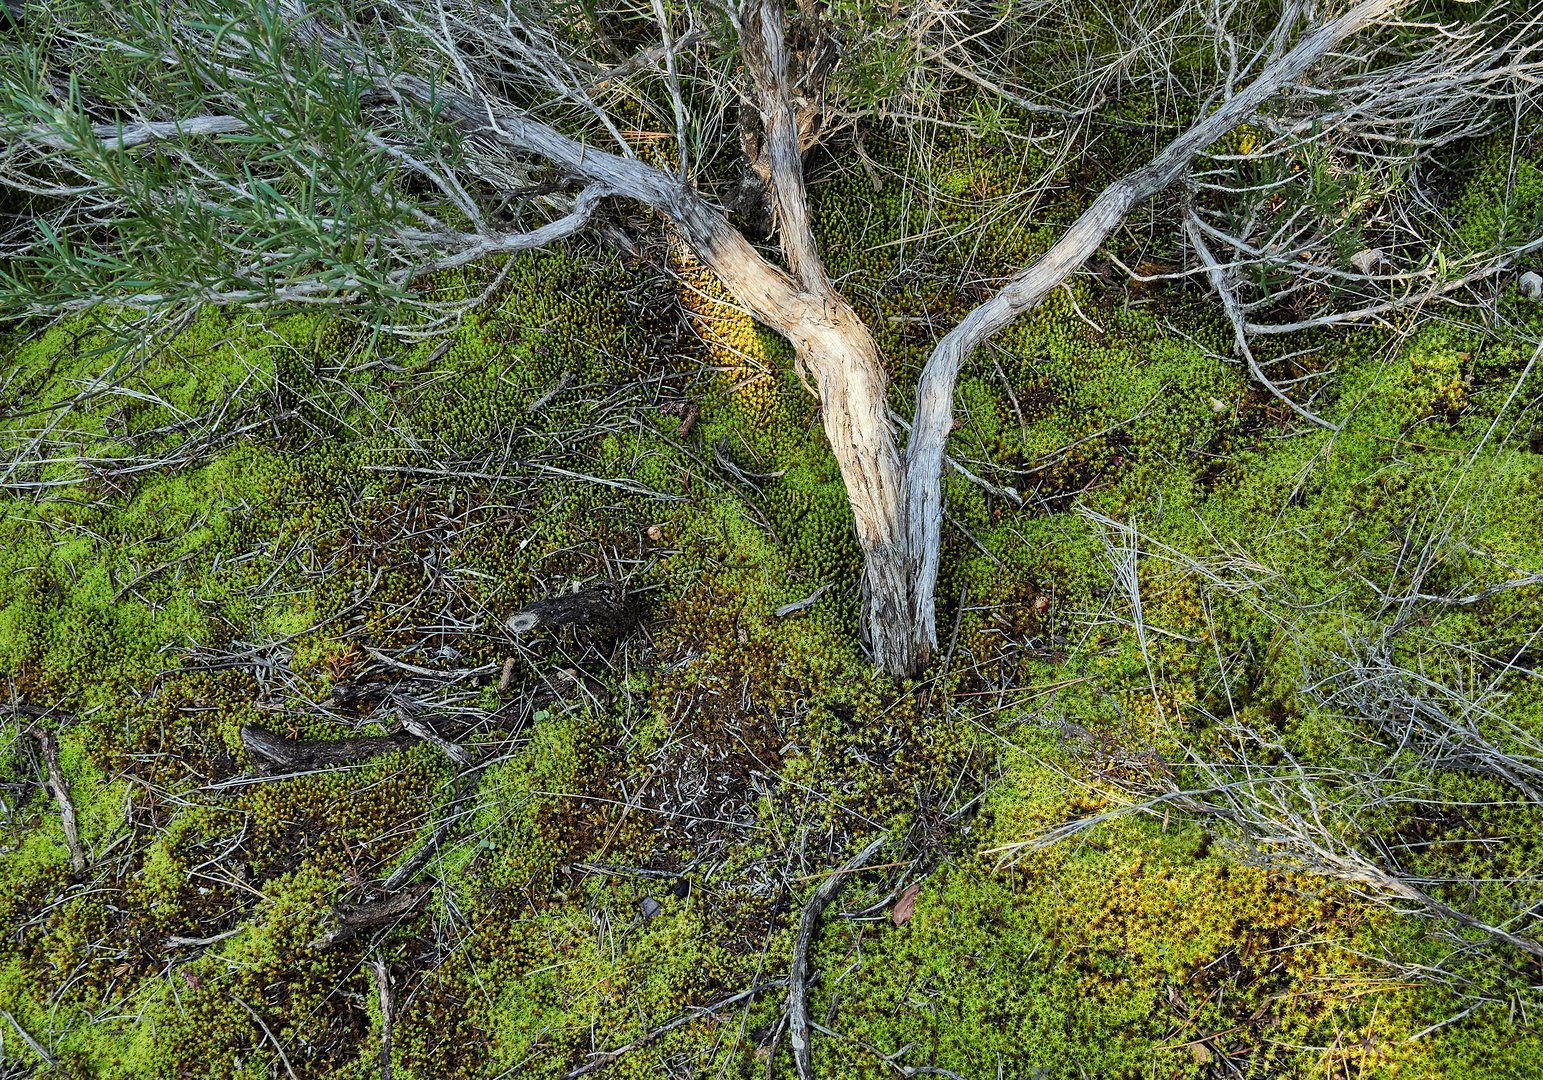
(264, 521)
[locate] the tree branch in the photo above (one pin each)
(798, 973)
(126, 136)
(764, 41)
(1028, 288)
(61, 792)
(1240, 337)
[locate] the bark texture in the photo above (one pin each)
(607, 609)
(271, 753)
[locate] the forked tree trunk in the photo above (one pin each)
(896, 498)
(841, 356)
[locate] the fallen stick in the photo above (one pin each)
(36, 1047)
(61, 789)
(382, 977)
(357, 917)
(266, 1030)
(420, 858)
(798, 971)
(271, 753)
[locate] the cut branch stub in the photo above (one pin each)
(606, 608)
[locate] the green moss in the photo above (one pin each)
(332, 496)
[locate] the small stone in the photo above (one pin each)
(650, 907)
(1530, 284)
(1218, 406)
(654, 533)
(681, 888)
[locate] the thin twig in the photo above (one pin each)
(798, 973)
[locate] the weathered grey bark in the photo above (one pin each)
(897, 502)
(829, 341)
(837, 350)
(798, 972)
(380, 973)
(271, 753)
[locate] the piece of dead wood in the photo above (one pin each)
(566, 684)
(61, 790)
(351, 920)
(800, 605)
(546, 399)
(420, 858)
(266, 1030)
(40, 711)
(36, 1047)
(273, 754)
(798, 972)
(454, 751)
(607, 608)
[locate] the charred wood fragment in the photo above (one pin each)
(606, 608)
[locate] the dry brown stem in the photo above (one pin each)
(61, 792)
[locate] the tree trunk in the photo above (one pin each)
(840, 354)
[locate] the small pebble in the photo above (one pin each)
(651, 907)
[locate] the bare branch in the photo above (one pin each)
(1240, 335)
(126, 136)
(798, 973)
(1026, 289)
(61, 791)
(765, 49)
